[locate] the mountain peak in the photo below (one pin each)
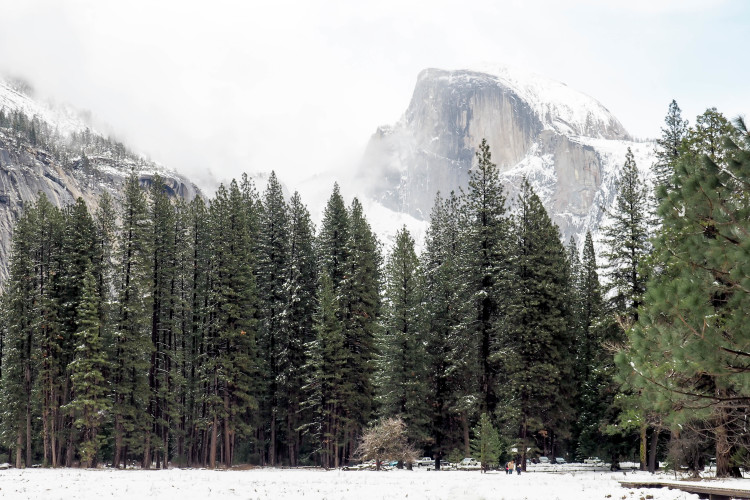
(558, 107)
(565, 143)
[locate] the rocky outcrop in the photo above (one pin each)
(27, 171)
(537, 128)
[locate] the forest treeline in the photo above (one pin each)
(208, 333)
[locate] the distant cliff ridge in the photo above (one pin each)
(45, 151)
(566, 143)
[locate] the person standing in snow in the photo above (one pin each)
(518, 468)
(509, 467)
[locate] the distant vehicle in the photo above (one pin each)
(425, 462)
(370, 464)
(560, 460)
(543, 460)
(469, 463)
(593, 460)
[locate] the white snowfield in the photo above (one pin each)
(312, 484)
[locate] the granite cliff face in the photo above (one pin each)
(63, 159)
(567, 144)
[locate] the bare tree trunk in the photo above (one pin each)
(205, 448)
(467, 443)
(19, 449)
(227, 433)
(147, 452)
(292, 441)
(272, 441)
(53, 442)
(723, 448)
(165, 464)
(335, 446)
(653, 449)
(117, 459)
(214, 438)
(644, 446)
(28, 434)
(46, 434)
(69, 448)
(524, 446)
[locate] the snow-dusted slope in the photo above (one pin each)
(52, 150)
(16, 95)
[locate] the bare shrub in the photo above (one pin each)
(386, 440)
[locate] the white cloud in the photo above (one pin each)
(298, 86)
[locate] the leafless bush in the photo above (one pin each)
(386, 440)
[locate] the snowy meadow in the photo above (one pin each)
(263, 483)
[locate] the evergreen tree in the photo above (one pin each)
(232, 357)
(451, 360)
(104, 267)
(626, 253)
(595, 367)
(538, 355)
(325, 371)
(359, 300)
(19, 368)
(592, 308)
(332, 240)
(301, 293)
(669, 146)
(52, 331)
(486, 445)
(132, 349)
(402, 363)
(174, 442)
(195, 364)
(627, 244)
(162, 405)
(77, 251)
(708, 137)
(90, 402)
(273, 264)
(487, 266)
(688, 352)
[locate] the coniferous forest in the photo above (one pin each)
(232, 330)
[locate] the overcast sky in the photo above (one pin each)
(299, 86)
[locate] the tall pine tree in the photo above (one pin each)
(688, 353)
(487, 271)
(273, 263)
(402, 365)
(132, 348)
(538, 354)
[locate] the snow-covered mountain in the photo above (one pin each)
(566, 143)
(52, 149)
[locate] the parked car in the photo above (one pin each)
(469, 463)
(560, 460)
(543, 460)
(593, 460)
(425, 462)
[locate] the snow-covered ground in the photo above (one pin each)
(186, 484)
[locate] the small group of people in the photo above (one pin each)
(513, 465)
